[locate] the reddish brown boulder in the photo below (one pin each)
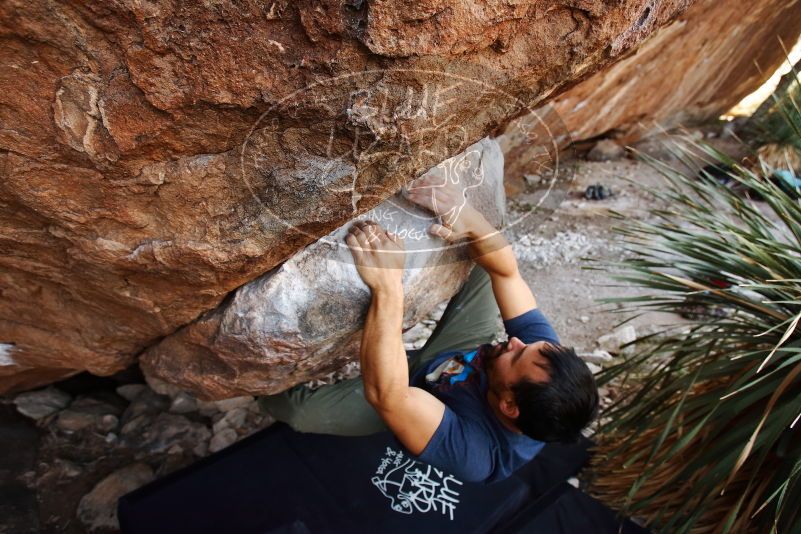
(689, 71)
(694, 69)
(156, 156)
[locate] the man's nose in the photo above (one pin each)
(515, 343)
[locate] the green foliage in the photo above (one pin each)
(710, 439)
(778, 120)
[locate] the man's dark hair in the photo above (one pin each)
(557, 410)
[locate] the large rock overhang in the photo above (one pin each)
(148, 146)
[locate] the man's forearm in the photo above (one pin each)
(385, 370)
(492, 251)
(489, 248)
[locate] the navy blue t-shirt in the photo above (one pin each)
(470, 442)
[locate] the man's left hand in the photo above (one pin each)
(379, 255)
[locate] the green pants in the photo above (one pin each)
(470, 319)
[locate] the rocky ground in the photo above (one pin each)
(71, 450)
(76, 447)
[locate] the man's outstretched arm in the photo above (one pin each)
(412, 414)
(488, 247)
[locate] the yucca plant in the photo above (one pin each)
(705, 436)
(773, 127)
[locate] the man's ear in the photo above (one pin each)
(508, 406)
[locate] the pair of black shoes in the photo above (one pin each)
(597, 192)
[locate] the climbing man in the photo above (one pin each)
(474, 408)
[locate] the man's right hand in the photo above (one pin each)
(447, 200)
(488, 247)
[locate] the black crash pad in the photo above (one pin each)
(567, 510)
(279, 480)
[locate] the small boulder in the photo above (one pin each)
(594, 369)
(226, 405)
(613, 341)
(606, 150)
(129, 392)
(41, 403)
(207, 408)
(168, 430)
(97, 405)
(657, 147)
(234, 419)
(135, 426)
(107, 423)
(161, 387)
(66, 468)
(183, 403)
(533, 180)
(222, 439)
(598, 357)
(98, 508)
(147, 402)
(89, 412)
(74, 421)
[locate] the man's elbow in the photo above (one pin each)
(383, 399)
(372, 396)
(506, 271)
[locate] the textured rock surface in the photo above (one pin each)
(606, 150)
(41, 403)
(304, 319)
(689, 71)
(98, 508)
(166, 432)
(692, 70)
(147, 147)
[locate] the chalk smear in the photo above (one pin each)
(5, 355)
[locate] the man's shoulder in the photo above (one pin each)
(531, 326)
(471, 408)
(475, 446)
(474, 411)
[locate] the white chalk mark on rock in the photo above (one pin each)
(5, 355)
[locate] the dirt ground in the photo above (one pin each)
(560, 251)
(44, 474)
(575, 238)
